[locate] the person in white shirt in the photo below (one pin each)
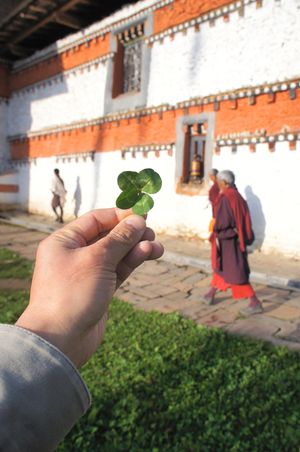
(59, 195)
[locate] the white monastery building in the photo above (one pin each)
(162, 84)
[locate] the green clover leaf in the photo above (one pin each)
(127, 199)
(128, 180)
(143, 205)
(149, 181)
(135, 188)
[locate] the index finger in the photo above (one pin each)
(87, 228)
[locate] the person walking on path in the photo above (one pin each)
(230, 237)
(59, 195)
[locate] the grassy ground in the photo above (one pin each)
(12, 265)
(162, 383)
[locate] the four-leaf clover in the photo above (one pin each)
(135, 188)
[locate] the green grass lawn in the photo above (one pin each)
(12, 265)
(162, 383)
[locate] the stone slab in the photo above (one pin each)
(295, 302)
(258, 326)
(284, 312)
(183, 286)
(219, 317)
(146, 292)
(204, 282)
(193, 279)
(289, 332)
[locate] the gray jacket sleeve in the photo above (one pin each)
(41, 393)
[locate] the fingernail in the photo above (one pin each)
(136, 222)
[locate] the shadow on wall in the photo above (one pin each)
(257, 216)
(77, 197)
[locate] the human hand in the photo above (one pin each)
(77, 270)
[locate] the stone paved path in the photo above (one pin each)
(167, 287)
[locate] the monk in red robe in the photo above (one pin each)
(214, 191)
(230, 237)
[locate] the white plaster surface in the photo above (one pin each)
(126, 12)
(261, 178)
(268, 180)
(98, 188)
(261, 47)
(9, 198)
(78, 97)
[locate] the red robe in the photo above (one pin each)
(213, 196)
(241, 215)
(232, 233)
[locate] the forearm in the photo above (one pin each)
(41, 393)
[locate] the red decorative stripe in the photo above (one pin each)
(58, 64)
(9, 188)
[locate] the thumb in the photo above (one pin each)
(122, 238)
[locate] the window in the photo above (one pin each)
(128, 61)
(194, 152)
(128, 72)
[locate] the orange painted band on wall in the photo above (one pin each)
(179, 12)
(164, 18)
(57, 64)
(156, 129)
(9, 188)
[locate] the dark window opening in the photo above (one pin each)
(128, 61)
(194, 153)
(132, 64)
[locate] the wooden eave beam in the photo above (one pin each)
(28, 16)
(44, 21)
(47, 2)
(21, 6)
(38, 9)
(88, 2)
(68, 21)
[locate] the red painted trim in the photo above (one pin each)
(9, 188)
(55, 65)
(180, 11)
(173, 14)
(152, 129)
(4, 87)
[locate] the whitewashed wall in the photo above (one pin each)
(9, 178)
(126, 11)
(98, 188)
(261, 47)
(78, 97)
(261, 178)
(268, 180)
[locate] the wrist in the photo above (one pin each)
(48, 329)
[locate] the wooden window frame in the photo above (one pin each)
(184, 185)
(115, 99)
